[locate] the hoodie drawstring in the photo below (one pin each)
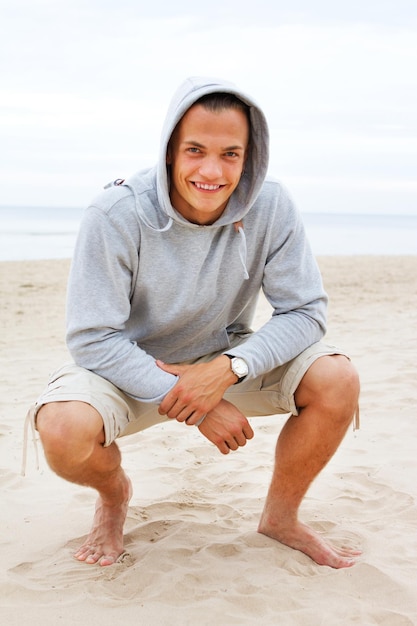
(143, 216)
(242, 247)
(121, 181)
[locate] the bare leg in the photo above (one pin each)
(327, 397)
(72, 435)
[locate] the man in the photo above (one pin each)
(163, 287)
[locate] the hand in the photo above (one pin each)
(200, 388)
(226, 427)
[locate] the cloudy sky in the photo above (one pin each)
(84, 86)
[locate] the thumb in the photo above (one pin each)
(169, 368)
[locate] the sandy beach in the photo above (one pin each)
(194, 556)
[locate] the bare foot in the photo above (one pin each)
(104, 544)
(303, 538)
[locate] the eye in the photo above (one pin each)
(193, 150)
(231, 154)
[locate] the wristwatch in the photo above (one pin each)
(239, 367)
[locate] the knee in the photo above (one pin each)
(332, 382)
(66, 426)
(344, 384)
(50, 423)
(53, 423)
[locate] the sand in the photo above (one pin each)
(194, 554)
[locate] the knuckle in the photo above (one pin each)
(236, 430)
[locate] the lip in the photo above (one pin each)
(207, 187)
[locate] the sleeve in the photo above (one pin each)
(293, 286)
(104, 266)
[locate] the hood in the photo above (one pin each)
(256, 165)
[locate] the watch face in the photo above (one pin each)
(239, 367)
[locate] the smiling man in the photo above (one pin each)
(205, 172)
(164, 284)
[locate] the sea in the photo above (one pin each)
(50, 233)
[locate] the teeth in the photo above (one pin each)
(207, 187)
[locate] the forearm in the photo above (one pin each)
(199, 389)
(281, 339)
(123, 363)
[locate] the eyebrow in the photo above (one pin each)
(197, 144)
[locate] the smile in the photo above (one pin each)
(206, 187)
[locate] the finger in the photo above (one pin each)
(182, 415)
(190, 420)
(170, 368)
(164, 406)
(196, 418)
(167, 405)
(240, 439)
(189, 416)
(248, 431)
(172, 411)
(224, 448)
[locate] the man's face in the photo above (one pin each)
(207, 154)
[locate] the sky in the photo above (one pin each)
(84, 87)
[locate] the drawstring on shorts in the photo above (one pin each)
(29, 422)
(356, 419)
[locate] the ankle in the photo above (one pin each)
(116, 489)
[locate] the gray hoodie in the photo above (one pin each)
(147, 284)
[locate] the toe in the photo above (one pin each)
(108, 560)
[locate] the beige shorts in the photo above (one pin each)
(270, 394)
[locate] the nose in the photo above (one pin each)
(211, 168)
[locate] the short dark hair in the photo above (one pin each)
(219, 101)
